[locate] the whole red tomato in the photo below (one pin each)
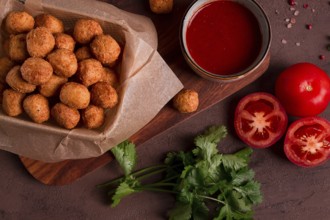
(303, 89)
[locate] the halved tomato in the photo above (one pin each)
(307, 142)
(260, 120)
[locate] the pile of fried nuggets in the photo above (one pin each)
(71, 78)
(49, 73)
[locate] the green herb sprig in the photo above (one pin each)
(196, 178)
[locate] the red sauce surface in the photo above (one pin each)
(223, 37)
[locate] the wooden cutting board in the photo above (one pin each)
(210, 93)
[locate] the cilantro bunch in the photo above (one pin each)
(197, 178)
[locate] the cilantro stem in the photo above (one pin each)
(213, 199)
(159, 184)
(151, 173)
(156, 190)
(136, 173)
(170, 178)
(145, 170)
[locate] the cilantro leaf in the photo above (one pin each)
(124, 189)
(181, 211)
(224, 213)
(125, 154)
(242, 176)
(215, 134)
(232, 162)
(251, 190)
(207, 143)
(245, 154)
(199, 209)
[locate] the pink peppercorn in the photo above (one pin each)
(292, 2)
(305, 5)
(309, 26)
(322, 57)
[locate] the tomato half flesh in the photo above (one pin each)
(260, 120)
(307, 142)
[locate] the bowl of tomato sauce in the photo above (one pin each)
(225, 40)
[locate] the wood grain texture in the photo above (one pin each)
(210, 93)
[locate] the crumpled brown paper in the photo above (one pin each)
(147, 84)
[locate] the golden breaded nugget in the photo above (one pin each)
(37, 108)
(50, 22)
(89, 72)
(85, 30)
(17, 48)
(15, 81)
(64, 62)
(83, 53)
(75, 95)
(65, 116)
(5, 65)
(105, 49)
(40, 42)
(186, 101)
(19, 22)
(93, 116)
(109, 76)
(104, 95)
(36, 70)
(12, 102)
(161, 6)
(64, 41)
(52, 86)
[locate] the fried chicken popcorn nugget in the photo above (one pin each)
(186, 101)
(85, 30)
(15, 81)
(37, 108)
(17, 48)
(12, 102)
(52, 86)
(89, 71)
(65, 116)
(40, 42)
(19, 22)
(105, 49)
(161, 6)
(93, 116)
(109, 76)
(64, 62)
(83, 53)
(36, 71)
(64, 41)
(5, 65)
(104, 95)
(75, 95)
(50, 22)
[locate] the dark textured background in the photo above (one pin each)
(290, 192)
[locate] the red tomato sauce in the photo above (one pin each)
(223, 37)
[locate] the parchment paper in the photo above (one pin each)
(147, 84)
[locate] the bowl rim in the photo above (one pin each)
(206, 74)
